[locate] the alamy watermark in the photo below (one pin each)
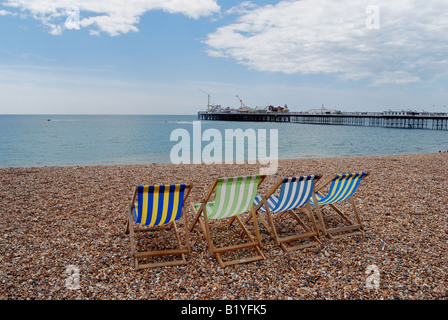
(72, 21)
(373, 277)
(72, 281)
(373, 18)
(229, 150)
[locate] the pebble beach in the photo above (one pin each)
(58, 219)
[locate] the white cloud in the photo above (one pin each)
(5, 13)
(111, 16)
(334, 37)
(241, 8)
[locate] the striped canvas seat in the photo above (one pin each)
(153, 207)
(294, 193)
(233, 196)
(159, 204)
(341, 188)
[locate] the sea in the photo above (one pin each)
(83, 140)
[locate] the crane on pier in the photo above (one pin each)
(241, 101)
(208, 95)
(211, 107)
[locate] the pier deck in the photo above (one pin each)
(436, 122)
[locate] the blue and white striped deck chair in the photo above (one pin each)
(155, 206)
(342, 188)
(295, 194)
(233, 197)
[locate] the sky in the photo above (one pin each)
(169, 56)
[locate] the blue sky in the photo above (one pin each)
(158, 57)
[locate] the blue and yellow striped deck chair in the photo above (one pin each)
(154, 207)
(295, 193)
(233, 197)
(342, 188)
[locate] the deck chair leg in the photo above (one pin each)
(322, 224)
(197, 216)
(251, 239)
(343, 216)
(263, 222)
(231, 221)
(177, 232)
(295, 216)
(252, 243)
(311, 234)
(317, 209)
(178, 241)
(273, 230)
(197, 220)
(218, 257)
(206, 228)
(304, 226)
(281, 214)
(127, 227)
(181, 250)
(187, 233)
(257, 231)
(354, 228)
(358, 217)
(310, 214)
(130, 227)
(254, 215)
(244, 229)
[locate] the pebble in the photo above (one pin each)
(57, 219)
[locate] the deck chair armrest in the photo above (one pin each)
(210, 190)
(265, 197)
(188, 188)
(262, 177)
(274, 188)
(323, 184)
(133, 198)
(260, 204)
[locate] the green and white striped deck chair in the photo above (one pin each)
(154, 207)
(294, 196)
(342, 188)
(233, 197)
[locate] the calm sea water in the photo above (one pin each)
(66, 140)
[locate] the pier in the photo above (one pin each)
(429, 121)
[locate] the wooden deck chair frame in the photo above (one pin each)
(200, 215)
(350, 228)
(306, 209)
(182, 250)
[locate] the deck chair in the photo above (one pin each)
(342, 187)
(295, 194)
(233, 197)
(157, 207)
